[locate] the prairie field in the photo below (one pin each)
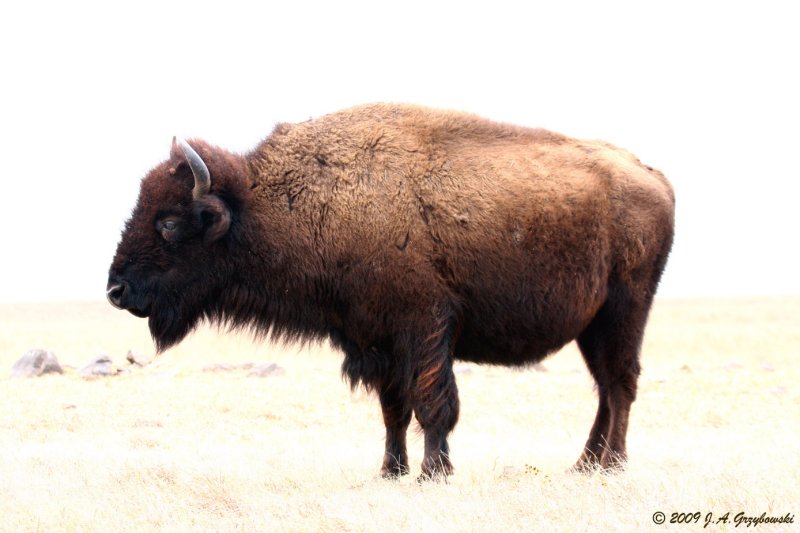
(175, 446)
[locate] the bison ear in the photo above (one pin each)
(214, 215)
(175, 150)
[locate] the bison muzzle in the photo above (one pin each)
(410, 238)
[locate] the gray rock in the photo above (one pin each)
(101, 366)
(266, 369)
(462, 370)
(136, 360)
(536, 367)
(35, 363)
(256, 369)
(510, 471)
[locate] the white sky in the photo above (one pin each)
(91, 95)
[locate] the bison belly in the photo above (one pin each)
(521, 335)
(525, 313)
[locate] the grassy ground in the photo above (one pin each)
(172, 447)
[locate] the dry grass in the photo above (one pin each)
(170, 447)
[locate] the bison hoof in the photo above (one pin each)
(588, 463)
(613, 462)
(394, 472)
(609, 463)
(436, 469)
(394, 466)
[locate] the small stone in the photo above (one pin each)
(36, 363)
(266, 369)
(261, 369)
(510, 471)
(462, 370)
(136, 360)
(101, 366)
(218, 367)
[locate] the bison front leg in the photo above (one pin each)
(396, 417)
(435, 397)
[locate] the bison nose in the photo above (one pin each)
(116, 293)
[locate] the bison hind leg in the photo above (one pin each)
(610, 345)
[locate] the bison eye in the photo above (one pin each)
(168, 229)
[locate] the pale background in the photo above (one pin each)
(91, 95)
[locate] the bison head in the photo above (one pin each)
(172, 260)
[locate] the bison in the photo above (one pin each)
(410, 238)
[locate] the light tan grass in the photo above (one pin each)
(170, 447)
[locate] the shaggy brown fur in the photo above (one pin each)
(411, 237)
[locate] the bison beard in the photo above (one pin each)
(171, 320)
(410, 238)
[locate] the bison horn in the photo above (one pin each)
(202, 177)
